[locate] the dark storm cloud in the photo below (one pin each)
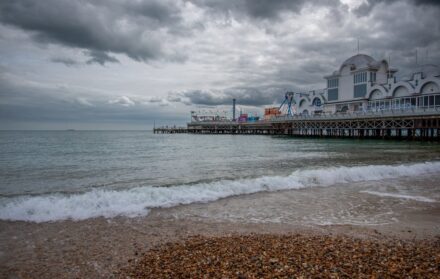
(366, 7)
(98, 26)
(303, 62)
(419, 30)
(248, 96)
(159, 12)
(259, 9)
(252, 8)
(427, 2)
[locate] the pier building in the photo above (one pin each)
(363, 84)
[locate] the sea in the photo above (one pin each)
(51, 176)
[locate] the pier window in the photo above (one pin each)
(360, 87)
(332, 94)
(429, 101)
(333, 83)
(401, 103)
(317, 102)
(372, 76)
(360, 90)
(360, 77)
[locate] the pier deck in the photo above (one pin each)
(409, 124)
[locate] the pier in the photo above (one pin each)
(170, 130)
(420, 124)
(363, 98)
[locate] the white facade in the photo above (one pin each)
(364, 84)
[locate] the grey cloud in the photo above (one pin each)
(96, 57)
(162, 12)
(84, 101)
(123, 101)
(270, 9)
(163, 102)
(303, 63)
(256, 96)
(379, 36)
(60, 115)
(427, 2)
(259, 9)
(172, 98)
(400, 39)
(98, 26)
(200, 97)
(154, 100)
(100, 57)
(366, 7)
(247, 96)
(29, 107)
(69, 62)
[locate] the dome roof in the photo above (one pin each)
(359, 61)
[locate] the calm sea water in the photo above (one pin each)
(56, 175)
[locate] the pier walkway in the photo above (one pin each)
(414, 124)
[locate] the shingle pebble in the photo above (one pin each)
(287, 256)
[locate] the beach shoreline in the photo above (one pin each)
(100, 247)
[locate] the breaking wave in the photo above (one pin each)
(137, 201)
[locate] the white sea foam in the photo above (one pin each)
(138, 201)
(399, 196)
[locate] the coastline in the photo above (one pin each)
(371, 211)
(100, 248)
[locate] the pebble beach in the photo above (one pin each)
(160, 246)
(287, 256)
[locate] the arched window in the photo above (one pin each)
(317, 102)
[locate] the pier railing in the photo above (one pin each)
(404, 112)
(363, 114)
(409, 123)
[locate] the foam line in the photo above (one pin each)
(138, 201)
(399, 196)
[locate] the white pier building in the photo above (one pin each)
(362, 84)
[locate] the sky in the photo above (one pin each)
(130, 64)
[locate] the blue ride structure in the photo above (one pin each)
(286, 105)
